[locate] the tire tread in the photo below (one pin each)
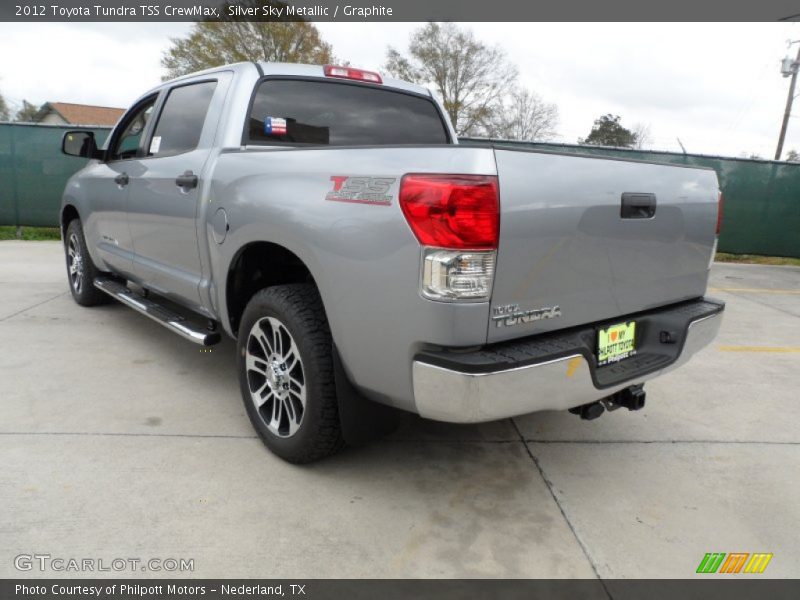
(303, 301)
(90, 295)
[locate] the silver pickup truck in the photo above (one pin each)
(327, 219)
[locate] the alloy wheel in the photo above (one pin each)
(75, 263)
(275, 376)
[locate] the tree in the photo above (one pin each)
(211, 44)
(523, 115)
(470, 77)
(643, 137)
(5, 115)
(27, 112)
(793, 156)
(607, 131)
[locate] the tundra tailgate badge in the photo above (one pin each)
(362, 190)
(510, 314)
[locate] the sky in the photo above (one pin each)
(716, 86)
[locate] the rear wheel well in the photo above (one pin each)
(68, 214)
(255, 267)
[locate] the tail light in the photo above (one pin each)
(452, 211)
(457, 220)
(350, 73)
(457, 275)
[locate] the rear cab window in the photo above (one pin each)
(328, 113)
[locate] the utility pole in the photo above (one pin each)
(790, 98)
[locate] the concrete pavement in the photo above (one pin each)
(119, 439)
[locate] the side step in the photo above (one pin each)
(173, 321)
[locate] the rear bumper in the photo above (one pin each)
(556, 371)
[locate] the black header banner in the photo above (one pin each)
(398, 10)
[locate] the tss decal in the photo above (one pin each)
(363, 190)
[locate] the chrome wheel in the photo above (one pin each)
(275, 376)
(75, 263)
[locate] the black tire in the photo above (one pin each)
(298, 309)
(82, 287)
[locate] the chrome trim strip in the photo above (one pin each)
(446, 395)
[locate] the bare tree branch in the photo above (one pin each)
(644, 139)
(470, 77)
(523, 116)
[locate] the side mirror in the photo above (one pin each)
(81, 144)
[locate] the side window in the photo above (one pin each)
(127, 144)
(181, 120)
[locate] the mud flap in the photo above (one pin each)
(362, 420)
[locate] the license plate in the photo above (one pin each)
(616, 343)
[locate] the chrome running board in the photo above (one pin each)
(173, 321)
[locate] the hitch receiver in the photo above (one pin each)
(632, 398)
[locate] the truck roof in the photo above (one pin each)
(293, 70)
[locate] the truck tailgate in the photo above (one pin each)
(565, 242)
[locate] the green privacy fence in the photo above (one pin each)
(762, 197)
(33, 172)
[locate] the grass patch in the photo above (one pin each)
(754, 259)
(9, 232)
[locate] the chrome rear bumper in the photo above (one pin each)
(445, 394)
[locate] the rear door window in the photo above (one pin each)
(326, 113)
(181, 120)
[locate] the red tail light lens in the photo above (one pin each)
(452, 211)
(349, 73)
(720, 204)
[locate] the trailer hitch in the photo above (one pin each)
(632, 398)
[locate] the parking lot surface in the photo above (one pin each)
(119, 439)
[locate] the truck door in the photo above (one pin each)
(165, 191)
(107, 189)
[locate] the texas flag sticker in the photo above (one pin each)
(274, 126)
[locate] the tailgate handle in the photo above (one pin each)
(638, 206)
